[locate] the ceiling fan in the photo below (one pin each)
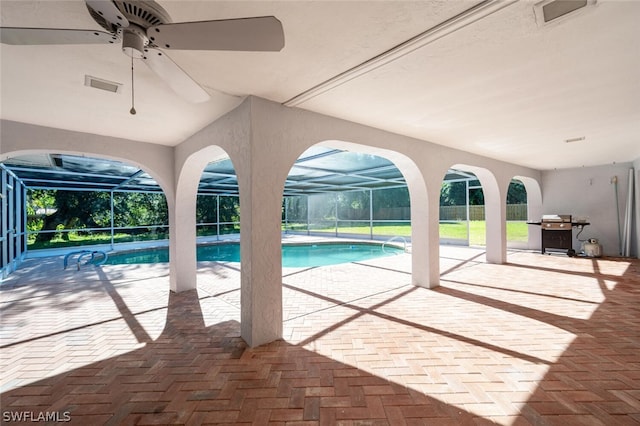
(145, 30)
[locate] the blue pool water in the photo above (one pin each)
(293, 256)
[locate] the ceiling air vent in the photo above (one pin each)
(101, 84)
(556, 10)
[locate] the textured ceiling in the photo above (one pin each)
(497, 85)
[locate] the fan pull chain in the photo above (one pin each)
(132, 111)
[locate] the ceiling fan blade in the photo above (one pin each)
(39, 36)
(246, 34)
(109, 11)
(174, 76)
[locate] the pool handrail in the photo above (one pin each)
(83, 253)
(397, 237)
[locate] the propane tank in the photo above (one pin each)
(591, 248)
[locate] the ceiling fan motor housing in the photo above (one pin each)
(143, 13)
(134, 40)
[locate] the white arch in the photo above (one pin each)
(495, 211)
(157, 176)
(182, 223)
(166, 188)
(534, 209)
(422, 269)
(156, 160)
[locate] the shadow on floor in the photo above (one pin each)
(195, 374)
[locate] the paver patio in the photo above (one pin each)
(539, 340)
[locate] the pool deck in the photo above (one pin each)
(539, 340)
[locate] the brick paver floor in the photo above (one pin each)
(539, 340)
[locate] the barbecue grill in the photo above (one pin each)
(557, 233)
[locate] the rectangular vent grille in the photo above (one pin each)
(548, 11)
(559, 8)
(101, 84)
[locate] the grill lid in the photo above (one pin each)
(556, 218)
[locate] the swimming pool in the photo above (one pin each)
(293, 255)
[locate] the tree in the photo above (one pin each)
(392, 204)
(296, 208)
(39, 201)
(92, 209)
(353, 205)
(391, 198)
(229, 209)
(517, 194)
(206, 207)
(74, 209)
(454, 194)
(138, 209)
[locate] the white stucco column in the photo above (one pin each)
(190, 160)
(495, 204)
(182, 237)
(425, 265)
(182, 217)
(261, 277)
(434, 234)
(261, 175)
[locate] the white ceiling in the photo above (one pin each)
(499, 86)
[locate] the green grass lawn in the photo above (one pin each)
(516, 231)
(75, 239)
(391, 230)
(91, 239)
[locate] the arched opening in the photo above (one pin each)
(218, 202)
(217, 229)
(207, 208)
(490, 219)
(534, 210)
(337, 193)
(462, 210)
(70, 201)
(517, 215)
(344, 200)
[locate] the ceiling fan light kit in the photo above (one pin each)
(144, 28)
